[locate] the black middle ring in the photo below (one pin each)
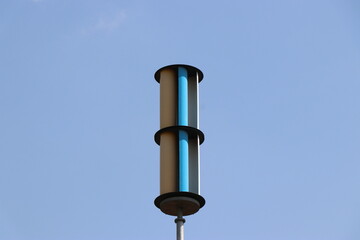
(192, 132)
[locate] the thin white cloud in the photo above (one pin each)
(108, 23)
(111, 23)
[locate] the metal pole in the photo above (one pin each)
(180, 226)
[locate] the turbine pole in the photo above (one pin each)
(179, 225)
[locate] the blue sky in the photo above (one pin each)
(279, 106)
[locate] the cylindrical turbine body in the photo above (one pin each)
(179, 139)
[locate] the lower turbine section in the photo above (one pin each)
(179, 158)
(179, 170)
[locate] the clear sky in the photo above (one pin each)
(280, 109)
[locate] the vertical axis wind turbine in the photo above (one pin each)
(179, 138)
